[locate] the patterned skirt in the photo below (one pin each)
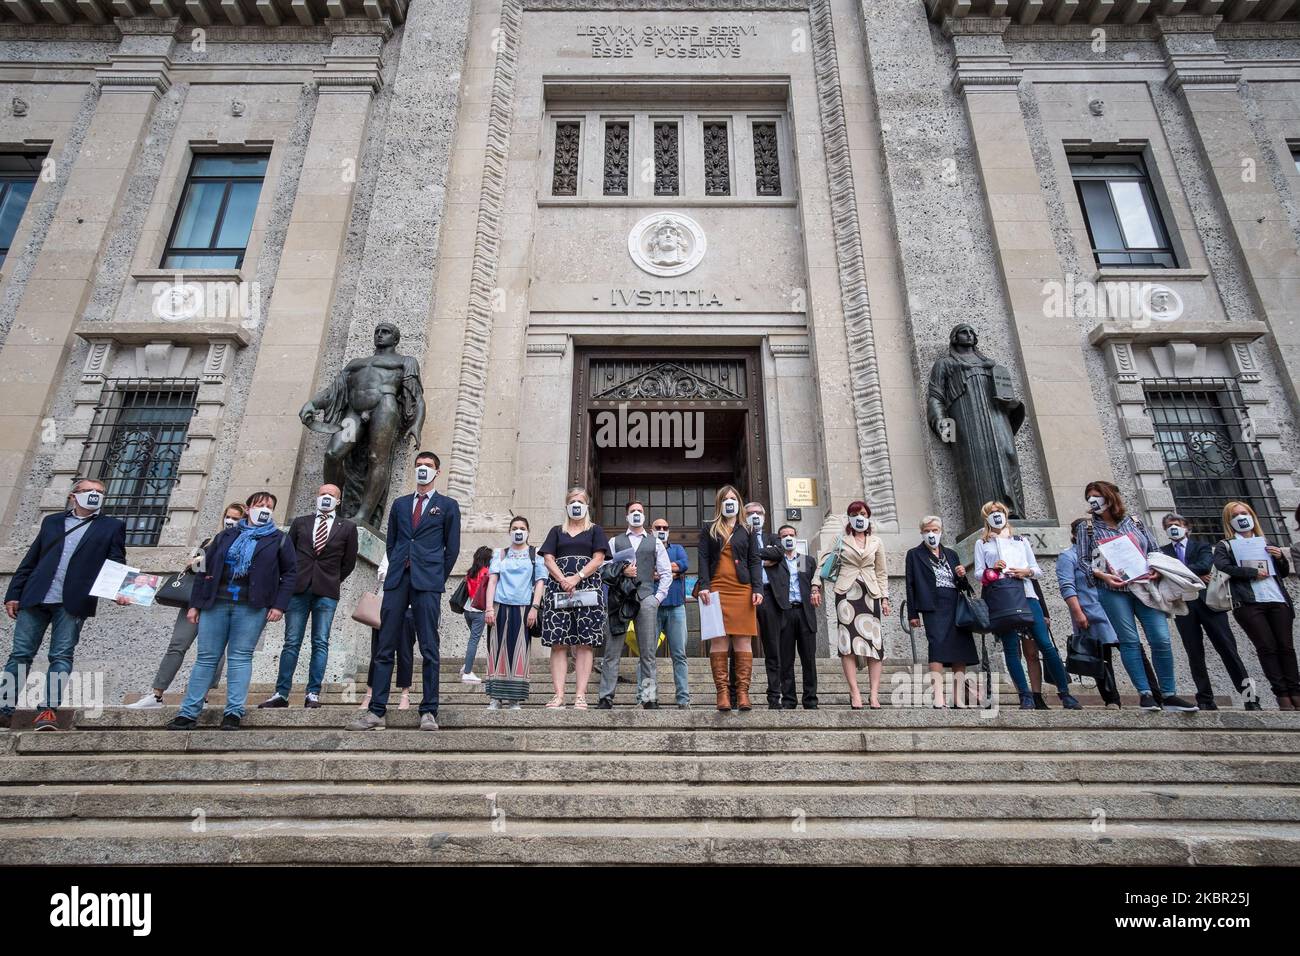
(508, 642)
(576, 626)
(858, 625)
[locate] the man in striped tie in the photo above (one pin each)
(327, 554)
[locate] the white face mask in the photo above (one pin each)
(662, 536)
(91, 500)
(259, 516)
(859, 522)
(1176, 532)
(997, 520)
(635, 519)
(756, 521)
(230, 522)
(932, 538)
(730, 508)
(519, 535)
(1242, 522)
(577, 510)
(326, 503)
(1096, 504)
(788, 542)
(424, 474)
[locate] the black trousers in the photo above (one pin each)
(1197, 624)
(1269, 628)
(405, 654)
(797, 637)
(769, 634)
(1108, 689)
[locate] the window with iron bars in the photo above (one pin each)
(1203, 434)
(140, 430)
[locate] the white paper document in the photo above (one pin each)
(627, 554)
(1253, 553)
(119, 581)
(1124, 558)
(109, 580)
(711, 619)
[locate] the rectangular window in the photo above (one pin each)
(767, 160)
(216, 212)
(1119, 206)
(141, 427)
(617, 146)
(717, 160)
(667, 160)
(18, 172)
(1295, 157)
(1209, 461)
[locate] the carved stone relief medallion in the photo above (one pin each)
(666, 244)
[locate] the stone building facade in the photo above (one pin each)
(758, 217)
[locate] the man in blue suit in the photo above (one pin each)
(51, 590)
(423, 543)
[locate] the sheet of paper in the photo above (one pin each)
(109, 580)
(627, 554)
(1252, 553)
(711, 619)
(1124, 558)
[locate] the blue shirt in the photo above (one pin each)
(70, 541)
(677, 590)
(514, 579)
(1073, 581)
(792, 565)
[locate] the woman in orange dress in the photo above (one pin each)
(731, 573)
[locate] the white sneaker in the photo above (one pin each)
(516, 706)
(471, 678)
(147, 702)
(494, 704)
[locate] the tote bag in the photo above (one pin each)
(1008, 605)
(367, 611)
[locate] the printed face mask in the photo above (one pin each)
(788, 542)
(259, 516)
(424, 474)
(635, 519)
(230, 522)
(730, 508)
(932, 538)
(859, 522)
(89, 500)
(997, 520)
(756, 521)
(325, 503)
(519, 535)
(577, 510)
(1176, 532)
(662, 536)
(1243, 522)
(1096, 504)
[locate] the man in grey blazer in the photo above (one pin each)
(653, 573)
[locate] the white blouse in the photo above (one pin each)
(1016, 552)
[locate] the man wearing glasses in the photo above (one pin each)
(672, 614)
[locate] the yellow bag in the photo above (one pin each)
(631, 640)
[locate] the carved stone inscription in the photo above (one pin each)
(718, 41)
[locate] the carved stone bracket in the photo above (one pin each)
(1242, 361)
(98, 361)
(220, 359)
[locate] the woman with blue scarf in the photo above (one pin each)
(245, 581)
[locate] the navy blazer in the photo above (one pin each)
(428, 552)
(1200, 556)
(922, 595)
(778, 576)
(744, 551)
(271, 575)
(103, 540)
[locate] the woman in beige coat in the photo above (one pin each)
(861, 586)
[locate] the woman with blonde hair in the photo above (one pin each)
(731, 574)
(861, 585)
(573, 610)
(1000, 552)
(1259, 599)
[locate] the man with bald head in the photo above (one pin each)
(327, 554)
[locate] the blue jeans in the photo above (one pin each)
(1051, 657)
(475, 620)
(232, 628)
(321, 610)
(1124, 612)
(29, 629)
(672, 622)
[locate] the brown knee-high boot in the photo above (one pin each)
(744, 670)
(718, 664)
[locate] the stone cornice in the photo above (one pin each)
(655, 6)
(1069, 13)
(975, 26)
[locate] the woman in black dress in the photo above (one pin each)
(934, 576)
(574, 552)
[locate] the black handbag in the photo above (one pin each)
(459, 597)
(1085, 656)
(972, 614)
(176, 589)
(1008, 605)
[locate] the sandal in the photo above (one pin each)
(579, 702)
(556, 703)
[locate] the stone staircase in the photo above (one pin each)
(900, 785)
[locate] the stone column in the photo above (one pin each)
(40, 340)
(1255, 212)
(1059, 394)
(291, 350)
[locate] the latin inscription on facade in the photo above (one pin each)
(665, 298)
(718, 41)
